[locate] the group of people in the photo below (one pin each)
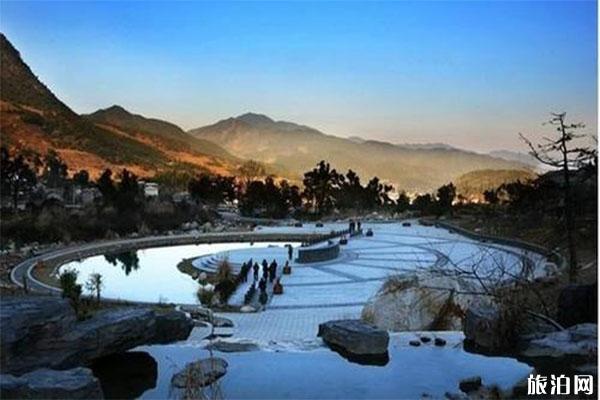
(265, 271)
(354, 227)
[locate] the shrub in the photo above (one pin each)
(70, 288)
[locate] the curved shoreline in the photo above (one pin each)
(77, 252)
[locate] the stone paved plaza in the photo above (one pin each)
(339, 288)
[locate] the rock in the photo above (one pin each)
(415, 343)
(52, 338)
(481, 325)
(26, 321)
(172, 326)
(420, 301)
(198, 312)
(76, 383)
(470, 384)
(425, 339)
(200, 373)
(220, 322)
(247, 309)
(439, 342)
(578, 304)
(232, 347)
(574, 344)
(355, 337)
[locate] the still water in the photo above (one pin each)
(318, 373)
(151, 275)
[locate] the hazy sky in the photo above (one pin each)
(470, 74)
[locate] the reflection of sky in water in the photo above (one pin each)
(156, 276)
(322, 373)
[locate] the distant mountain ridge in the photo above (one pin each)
(34, 119)
(162, 132)
(510, 155)
(298, 148)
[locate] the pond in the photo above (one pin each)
(151, 275)
(322, 373)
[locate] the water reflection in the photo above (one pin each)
(129, 260)
(151, 275)
(126, 375)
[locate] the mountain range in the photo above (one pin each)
(33, 118)
(298, 147)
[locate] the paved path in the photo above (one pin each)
(334, 289)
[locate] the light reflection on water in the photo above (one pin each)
(322, 373)
(151, 275)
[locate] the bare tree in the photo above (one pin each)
(252, 170)
(561, 152)
(94, 285)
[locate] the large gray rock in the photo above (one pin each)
(198, 312)
(226, 346)
(172, 326)
(27, 320)
(77, 383)
(577, 342)
(355, 337)
(200, 373)
(420, 301)
(51, 338)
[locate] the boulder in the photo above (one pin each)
(54, 339)
(198, 312)
(221, 322)
(420, 301)
(578, 304)
(577, 343)
(172, 326)
(227, 346)
(26, 321)
(76, 383)
(200, 373)
(355, 337)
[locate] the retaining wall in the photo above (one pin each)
(319, 253)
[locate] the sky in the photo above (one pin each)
(469, 74)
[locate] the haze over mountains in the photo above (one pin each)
(33, 118)
(298, 148)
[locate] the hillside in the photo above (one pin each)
(523, 158)
(472, 184)
(33, 118)
(298, 148)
